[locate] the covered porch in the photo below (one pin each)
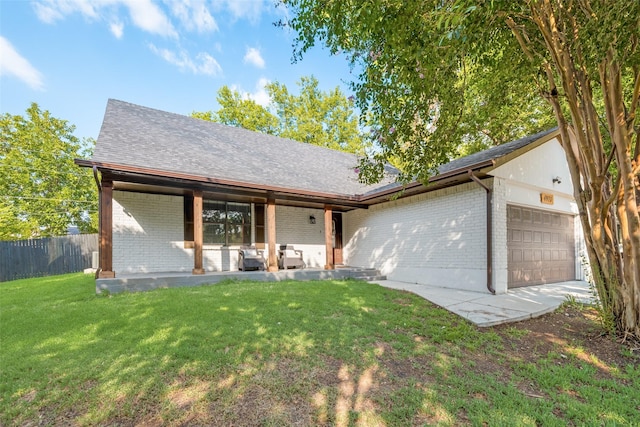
(165, 217)
(138, 282)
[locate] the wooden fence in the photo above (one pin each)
(46, 257)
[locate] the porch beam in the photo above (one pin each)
(271, 234)
(197, 232)
(106, 231)
(328, 241)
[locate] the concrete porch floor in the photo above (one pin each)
(484, 309)
(138, 282)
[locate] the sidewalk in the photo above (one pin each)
(485, 309)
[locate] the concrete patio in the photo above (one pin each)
(480, 308)
(484, 309)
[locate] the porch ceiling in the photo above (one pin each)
(144, 183)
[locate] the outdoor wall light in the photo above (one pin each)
(312, 219)
(557, 180)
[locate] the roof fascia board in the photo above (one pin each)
(124, 173)
(483, 167)
(446, 179)
(520, 151)
(415, 187)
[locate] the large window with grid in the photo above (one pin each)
(226, 223)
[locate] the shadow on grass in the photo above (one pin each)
(284, 353)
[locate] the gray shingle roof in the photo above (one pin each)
(492, 153)
(132, 135)
(143, 137)
(474, 160)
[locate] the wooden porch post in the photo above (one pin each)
(328, 241)
(271, 234)
(106, 231)
(197, 232)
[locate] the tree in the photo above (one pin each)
(579, 58)
(321, 118)
(42, 191)
(236, 110)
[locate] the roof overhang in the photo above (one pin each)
(132, 178)
(145, 180)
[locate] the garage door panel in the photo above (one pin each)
(537, 254)
(541, 247)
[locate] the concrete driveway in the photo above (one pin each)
(485, 309)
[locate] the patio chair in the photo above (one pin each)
(250, 258)
(288, 257)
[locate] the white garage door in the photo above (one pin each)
(541, 247)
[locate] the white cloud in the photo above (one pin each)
(253, 57)
(14, 64)
(260, 96)
(208, 65)
(143, 13)
(117, 29)
(250, 10)
(193, 15)
(203, 64)
(50, 11)
(148, 17)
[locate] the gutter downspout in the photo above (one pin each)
(95, 177)
(489, 231)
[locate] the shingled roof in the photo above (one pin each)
(492, 153)
(142, 137)
(132, 135)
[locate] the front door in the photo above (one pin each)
(336, 231)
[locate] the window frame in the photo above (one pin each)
(245, 227)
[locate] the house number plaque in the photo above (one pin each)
(546, 198)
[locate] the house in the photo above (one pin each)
(179, 194)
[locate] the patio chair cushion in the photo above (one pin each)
(291, 253)
(250, 252)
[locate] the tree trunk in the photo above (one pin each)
(606, 200)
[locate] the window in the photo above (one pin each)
(226, 223)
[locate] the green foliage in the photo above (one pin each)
(42, 191)
(316, 117)
(437, 79)
(236, 110)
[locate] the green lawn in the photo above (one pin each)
(289, 353)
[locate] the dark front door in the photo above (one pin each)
(336, 230)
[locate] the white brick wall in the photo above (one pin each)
(148, 233)
(148, 236)
(293, 227)
(437, 238)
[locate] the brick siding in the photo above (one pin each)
(436, 238)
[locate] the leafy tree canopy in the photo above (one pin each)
(437, 73)
(433, 93)
(316, 117)
(42, 191)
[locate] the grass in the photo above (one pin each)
(305, 353)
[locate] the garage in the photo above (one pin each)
(541, 246)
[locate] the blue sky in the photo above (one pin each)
(70, 56)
